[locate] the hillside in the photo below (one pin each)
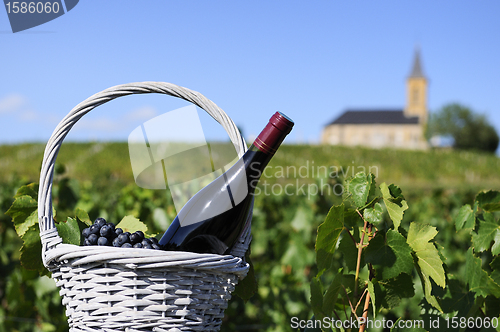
(296, 164)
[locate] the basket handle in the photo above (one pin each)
(48, 231)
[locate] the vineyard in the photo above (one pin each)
(330, 240)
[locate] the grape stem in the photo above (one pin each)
(367, 299)
(352, 237)
(369, 227)
(360, 298)
(360, 250)
(350, 303)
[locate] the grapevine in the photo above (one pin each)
(392, 270)
(369, 231)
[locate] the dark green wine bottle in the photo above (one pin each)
(215, 217)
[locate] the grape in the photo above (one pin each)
(123, 238)
(116, 242)
(86, 232)
(92, 239)
(100, 222)
(102, 241)
(136, 237)
(94, 229)
(106, 231)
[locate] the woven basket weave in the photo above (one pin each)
(126, 289)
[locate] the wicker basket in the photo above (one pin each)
(127, 289)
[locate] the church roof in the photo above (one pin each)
(375, 117)
(416, 70)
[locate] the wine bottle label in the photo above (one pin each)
(224, 193)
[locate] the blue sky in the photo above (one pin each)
(308, 59)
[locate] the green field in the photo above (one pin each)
(297, 191)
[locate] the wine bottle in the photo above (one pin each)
(214, 218)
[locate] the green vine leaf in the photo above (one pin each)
(457, 298)
(495, 248)
(390, 254)
(83, 216)
(478, 280)
(394, 202)
(489, 200)
(429, 262)
(374, 215)
(317, 297)
(487, 231)
(465, 218)
(358, 188)
(332, 294)
(23, 213)
(31, 251)
(427, 285)
(328, 235)
(388, 293)
(132, 224)
(70, 231)
(373, 297)
(29, 190)
(495, 267)
(397, 288)
(349, 250)
(352, 218)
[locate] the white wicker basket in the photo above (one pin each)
(122, 289)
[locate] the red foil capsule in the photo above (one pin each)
(274, 133)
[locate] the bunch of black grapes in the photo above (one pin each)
(104, 233)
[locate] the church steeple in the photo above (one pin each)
(417, 67)
(416, 90)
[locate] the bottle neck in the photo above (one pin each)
(255, 163)
(273, 134)
(263, 148)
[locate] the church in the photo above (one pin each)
(378, 128)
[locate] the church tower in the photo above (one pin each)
(416, 91)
